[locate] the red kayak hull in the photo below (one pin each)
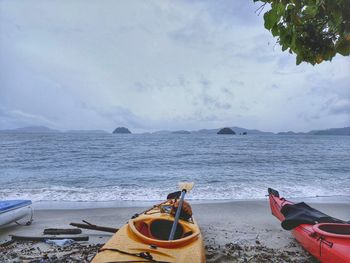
(326, 246)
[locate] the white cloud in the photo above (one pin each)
(158, 64)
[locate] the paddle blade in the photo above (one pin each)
(175, 195)
(186, 186)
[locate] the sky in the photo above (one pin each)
(158, 64)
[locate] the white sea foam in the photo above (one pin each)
(203, 193)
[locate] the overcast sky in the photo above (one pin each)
(150, 65)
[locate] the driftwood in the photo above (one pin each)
(62, 231)
(44, 238)
(88, 225)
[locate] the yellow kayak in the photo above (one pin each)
(145, 239)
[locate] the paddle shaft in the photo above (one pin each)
(177, 215)
(44, 238)
(94, 227)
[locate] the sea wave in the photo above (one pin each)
(201, 193)
(63, 167)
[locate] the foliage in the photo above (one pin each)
(314, 30)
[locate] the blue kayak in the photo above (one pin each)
(13, 204)
(14, 210)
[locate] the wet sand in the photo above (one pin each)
(238, 231)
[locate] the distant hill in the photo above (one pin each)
(291, 133)
(44, 129)
(87, 131)
(32, 129)
(226, 130)
(332, 131)
(237, 130)
(121, 130)
(162, 132)
(207, 131)
(181, 132)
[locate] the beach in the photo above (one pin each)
(108, 108)
(233, 231)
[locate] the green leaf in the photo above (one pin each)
(270, 18)
(299, 59)
(281, 8)
(310, 11)
(275, 30)
(314, 30)
(284, 47)
(343, 47)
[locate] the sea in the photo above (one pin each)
(102, 167)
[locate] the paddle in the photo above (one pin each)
(185, 187)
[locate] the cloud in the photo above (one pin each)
(226, 13)
(122, 117)
(158, 64)
(14, 117)
(336, 95)
(340, 107)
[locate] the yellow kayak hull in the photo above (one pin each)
(146, 235)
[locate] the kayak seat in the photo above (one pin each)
(160, 229)
(143, 229)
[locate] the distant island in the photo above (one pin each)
(124, 130)
(237, 130)
(181, 132)
(162, 132)
(86, 131)
(332, 131)
(32, 129)
(226, 130)
(121, 130)
(289, 133)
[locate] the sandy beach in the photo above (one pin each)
(238, 231)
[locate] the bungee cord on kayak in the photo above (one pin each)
(167, 232)
(144, 255)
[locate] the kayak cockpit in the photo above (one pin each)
(160, 229)
(333, 230)
(156, 230)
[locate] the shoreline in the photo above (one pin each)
(232, 231)
(78, 205)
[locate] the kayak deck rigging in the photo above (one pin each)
(145, 236)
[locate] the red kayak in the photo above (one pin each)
(325, 237)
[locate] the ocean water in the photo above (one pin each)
(107, 167)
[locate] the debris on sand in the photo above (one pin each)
(30, 252)
(255, 254)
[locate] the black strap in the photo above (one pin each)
(144, 255)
